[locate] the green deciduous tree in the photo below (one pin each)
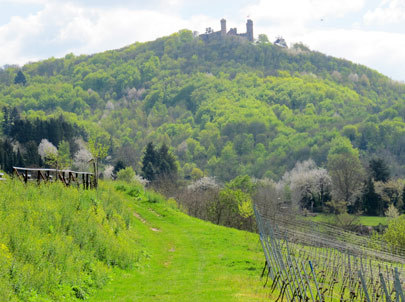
(99, 151)
(345, 169)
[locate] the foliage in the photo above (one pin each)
(127, 174)
(372, 202)
(233, 208)
(227, 107)
(336, 207)
(119, 165)
(158, 164)
(20, 78)
(345, 169)
(66, 243)
(379, 170)
(392, 212)
(46, 149)
(395, 233)
(82, 158)
(346, 221)
(98, 149)
(198, 197)
(310, 186)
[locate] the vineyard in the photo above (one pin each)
(307, 261)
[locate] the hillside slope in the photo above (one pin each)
(217, 103)
(118, 244)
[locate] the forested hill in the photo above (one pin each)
(226, 106)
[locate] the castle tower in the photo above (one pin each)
(249, 30)
(223, 27)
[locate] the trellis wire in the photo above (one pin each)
(308, 264)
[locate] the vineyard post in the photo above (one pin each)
(304, 293)
(363, 283)
(293, 274)
(268, 264)
(307, 280)
(387, 296)
(398, 287)
(316, 283)
(280, 262)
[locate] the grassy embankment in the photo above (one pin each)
(63, 244)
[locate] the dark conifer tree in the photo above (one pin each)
(8, 156)
(20, 78)
(6, 121)
(149, 171)
(379, 170)
(167, 162)
(372, 202)
(118, 166)
(19, 161)
(14, 116)
(32, 158)
(149, 162)
(158, 164)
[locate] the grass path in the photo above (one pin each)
(187, 259)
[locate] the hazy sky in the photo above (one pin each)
(369, 32)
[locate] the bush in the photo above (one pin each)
(127, 174)
(395, 233)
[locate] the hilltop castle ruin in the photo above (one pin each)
(210, 34)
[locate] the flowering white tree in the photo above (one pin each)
(203, 184)
(308, 183)
(200, 196)
(107, 173)
(46, 148)
(82, 158)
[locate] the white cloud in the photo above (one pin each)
(23, 1)
(62, 28)
(379, 50)
(298, 21)
(388, 12)
(299, 12)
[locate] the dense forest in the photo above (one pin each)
(225, 107)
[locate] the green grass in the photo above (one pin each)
(364, 220)
(187, 259)
(119, 243)
(61, 244)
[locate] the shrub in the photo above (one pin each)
(127, 174)
(395, 233)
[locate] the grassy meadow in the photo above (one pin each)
(364, 220)
(119, 243)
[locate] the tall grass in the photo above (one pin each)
(60, 244)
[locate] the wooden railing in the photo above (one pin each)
(67, 177)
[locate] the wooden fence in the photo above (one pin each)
(67, 177)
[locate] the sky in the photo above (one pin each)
(368, 32)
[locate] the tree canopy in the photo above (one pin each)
(225, 107)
